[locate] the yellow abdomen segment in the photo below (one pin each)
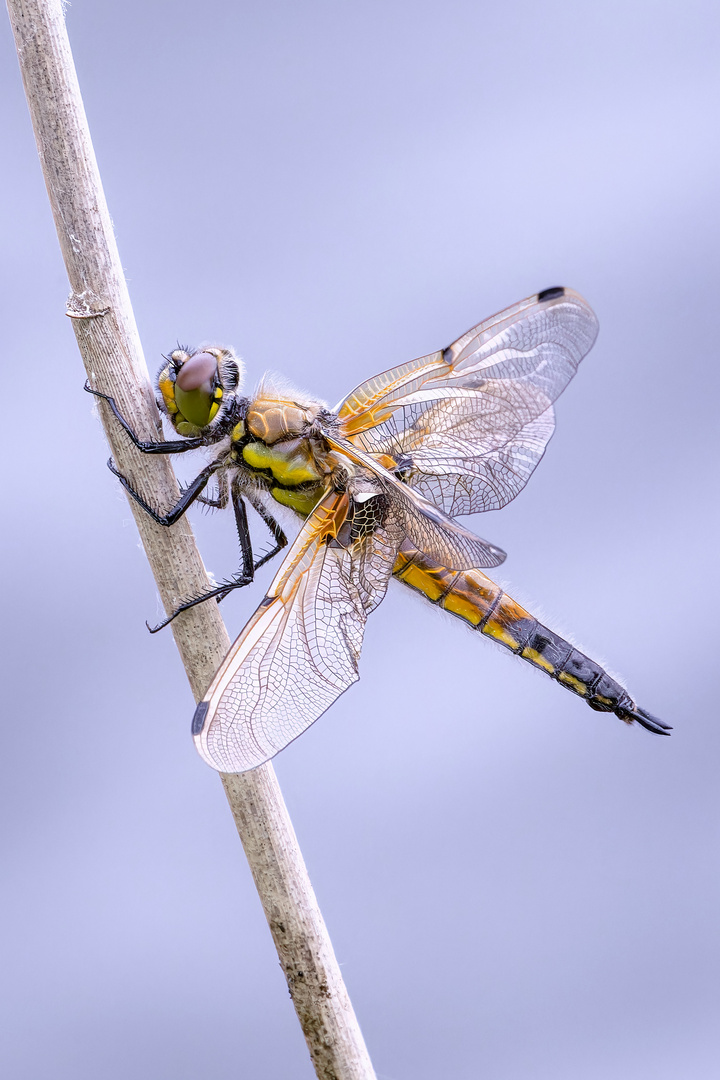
(482, 604)
(468, 594)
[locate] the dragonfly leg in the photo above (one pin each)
(247, 566)
(222, 590)
(243, 532)
(189, 495)
(273, 526)
(222, 498)
(244, 575)
(147, 446)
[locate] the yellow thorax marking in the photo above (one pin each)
(303, 502)
(290, 463)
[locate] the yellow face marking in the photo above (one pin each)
(167, 389)
(183, 427)
(238, 432)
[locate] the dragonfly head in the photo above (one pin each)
(196, 388)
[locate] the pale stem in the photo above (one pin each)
(107, 336)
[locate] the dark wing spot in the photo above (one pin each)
(199, 717)
(551, 294)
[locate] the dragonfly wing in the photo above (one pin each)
(472, 421)
(430, 528)
(462, 474)
(300, 650)
(438, 536)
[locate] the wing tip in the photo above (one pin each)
(562, 293)
(553, 293)
(499, 555)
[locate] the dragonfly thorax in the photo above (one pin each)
(271, 420)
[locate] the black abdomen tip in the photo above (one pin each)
(551, 294)
(649, 722)
(199, 717)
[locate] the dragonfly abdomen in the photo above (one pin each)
(482, 604)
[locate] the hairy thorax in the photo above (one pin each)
(278, 439)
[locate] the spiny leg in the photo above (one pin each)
(243, 577)
(222, 499)
(192, 492)
(273, 526)
(243, 533)
(219, 593)
(147, 446)
(247, 568)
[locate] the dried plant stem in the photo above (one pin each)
(107, 336)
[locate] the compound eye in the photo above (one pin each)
(195, 396)
(198, 369)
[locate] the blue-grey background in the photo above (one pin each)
(516, 887)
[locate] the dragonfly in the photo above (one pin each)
(377, 482)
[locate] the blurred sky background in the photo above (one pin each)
(516, 886)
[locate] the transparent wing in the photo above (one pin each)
(300, 650)
(430, 528)
(463, 464)
(472, 421)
